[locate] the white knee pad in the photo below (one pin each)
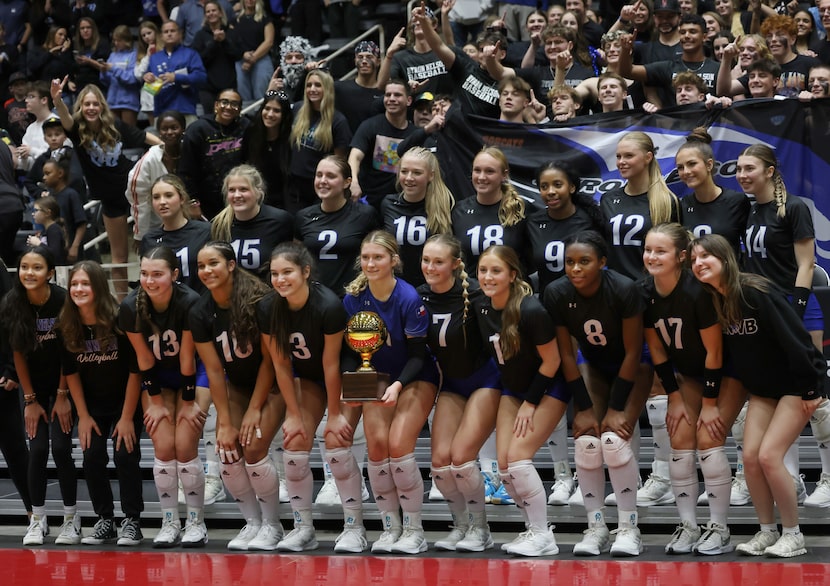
(166, 475)
(820, 422)
(616, 451)
(738, 426)
(656, 409)
(587, 452)
(296, 465)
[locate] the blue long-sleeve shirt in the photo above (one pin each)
(124, 88)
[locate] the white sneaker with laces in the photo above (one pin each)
(627, 543)
(477, 538)
(169, 534)
(351, 540)
(328, 495)
(412, 541)
(800, 489)
(301, 538)
(195, 533)
(214, 490)
(70, 531)
(435, 493)
(38, 529)
(387, 539)
(562, 490)
(683, 539)
(596, 540)
(788, 545)
(515, 541)
(450, 541)
(759, 543)
(820, 497)
(740, 492)
(716, 540)
(535, 543)
(245, 536)
(656, 491)
(267, 538)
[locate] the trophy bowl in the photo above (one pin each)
(365, 334)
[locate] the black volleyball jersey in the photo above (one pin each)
(770, 240)
(186, 243)
(211, 323)
(545, 238)
(726, 215)
(44, 362)
(478, 228)
(628, 220)
(771, 351)
(455, 342)
(254, 239)
(323, 314)
(103, 370)
(172, 323)
(678, 319)
(535, 329)
(334, 239)
(596, 322)
(408, 222)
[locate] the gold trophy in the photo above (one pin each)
(365, 334)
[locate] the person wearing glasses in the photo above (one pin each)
(212, 146)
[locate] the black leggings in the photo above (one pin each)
(13, 443)
(127, 468)
(61, 454)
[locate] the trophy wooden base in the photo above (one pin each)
(364, 386)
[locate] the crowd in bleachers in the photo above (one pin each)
(322, 172)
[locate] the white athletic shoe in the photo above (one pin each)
(70, 531)
(627, 543)
(267, 538)
(412, 541)
(703, 498)
(740, 492)
(596, 540)
(716, 540)
(195, 534)
(37, 531)
(387, 539)
(214, 490)
(656, 491)
(683, 539)
(328, 495)
(534, 543)
(576, 498)
(170, 533)
(788, 545)
(820, 497)
(245, 536)
(515, 541)
(758, 545)
(351, 540)
(456, 534)
(477, 538)
(435, 493)
(562, 490)
(301, 538)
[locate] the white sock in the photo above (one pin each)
(347, 478)
(558, 441)
(624, 482)
(717, 480)
(408, 482)
(166, 477)
(656, 408)
(239, 485)
(444, 478)
(298, 479)
(383, 486)
(820, 424)
(471, 485)
(530, 492)
(265, 483)
(738, 436)
(488, 458)
(192, 476)
(212, 466)
(792, 460)
(684, 484)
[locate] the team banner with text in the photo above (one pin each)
(798, 132)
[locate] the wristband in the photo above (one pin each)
(63, 392)
(30, 399)
(537, 389)
(189, 387)
(800, 297)
(711, 382)
(620, 389)
(579, 392)
(665, 372)
(149, 382)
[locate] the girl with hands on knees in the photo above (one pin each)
(30, 314)
(156, 320)
(302, 325)
(249, 408)
(100, 369)
(684, 337)
(774, 357)
(520, 339)
(393, 423)
(610, 380)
